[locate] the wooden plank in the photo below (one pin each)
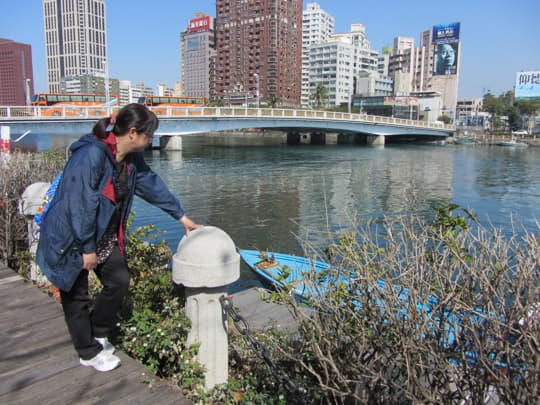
(84, 385)
(38, 363)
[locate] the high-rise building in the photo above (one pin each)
(317, 27)
(337, 63)
(17, 84)
(433, 67)
(332, 65)
(197, 49)
(75, 39)
(440, 64)
(259, 51)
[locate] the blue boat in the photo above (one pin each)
(271, 269)
(274, 270)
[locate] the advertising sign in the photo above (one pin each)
(445, 33)
(528, 85)
(200, 24)
(446, 58)
(401, 101)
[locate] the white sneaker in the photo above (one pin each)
(103, 361)
(107, 346)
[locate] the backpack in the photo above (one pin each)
(47, 200)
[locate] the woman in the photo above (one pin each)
(84, 227)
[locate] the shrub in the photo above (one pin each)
(18, 171)
(418, 312)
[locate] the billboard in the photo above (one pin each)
(445, 33)
(400, 101)
(446, 58)
(200, 24)
(528, 85)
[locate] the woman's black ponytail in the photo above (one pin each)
(131, 116)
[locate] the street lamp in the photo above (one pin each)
(106, 81)
(257, 83)
(27, 90)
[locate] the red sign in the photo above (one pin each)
(200, 24)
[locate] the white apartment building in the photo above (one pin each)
(332, 65)
(337, 63)
(75, 39)
(365, 58)
(124, 92)
(317, 27)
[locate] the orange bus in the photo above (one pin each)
(162, 105)
(73, 104)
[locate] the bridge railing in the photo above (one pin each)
(75, 112)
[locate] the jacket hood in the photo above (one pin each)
(88, 140)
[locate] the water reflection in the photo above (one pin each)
(266, 197)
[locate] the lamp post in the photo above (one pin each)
(106, 81)
(27, 90)
(257, 83)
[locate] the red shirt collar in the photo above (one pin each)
(110, 142)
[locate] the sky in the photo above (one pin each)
(499, 37)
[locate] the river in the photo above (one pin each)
(266, 197)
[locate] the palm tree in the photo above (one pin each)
(320, 95)
(273, 101)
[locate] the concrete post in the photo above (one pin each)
(206, 262)
(170, 142)
(5, 139)
(375, 140)
(31, 201)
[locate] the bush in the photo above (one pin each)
(18, 171)
(448, 323)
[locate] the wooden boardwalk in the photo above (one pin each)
(38, 364)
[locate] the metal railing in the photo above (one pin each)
(73, 112)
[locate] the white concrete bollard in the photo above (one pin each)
(31, 201)
(5, 139)
(206, 262)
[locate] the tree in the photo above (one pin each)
(320, 95)
(273, 101)
(493, 105)
(529, 108)
(445, 118)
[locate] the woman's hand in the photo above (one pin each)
(189, 225)
(89, 261)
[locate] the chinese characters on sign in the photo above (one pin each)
(528, 85)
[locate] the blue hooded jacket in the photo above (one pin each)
(84, 204)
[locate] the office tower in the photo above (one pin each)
(75, 39)
(259, 51)
(317, 27)
(17, 79)
(197, 49)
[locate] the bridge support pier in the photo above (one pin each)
(331, 138)
(375, 140)
(170, 142)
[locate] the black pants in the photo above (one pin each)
(83, 326)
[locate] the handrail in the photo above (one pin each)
(75, 112)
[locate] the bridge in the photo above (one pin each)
(313, 125)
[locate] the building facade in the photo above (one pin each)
(433, 67)
(317, 27)
(258, 51)
(88, 84)
(337, 64)
(75, 39)
(332, 65)
(16, 74)
(197, 49)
